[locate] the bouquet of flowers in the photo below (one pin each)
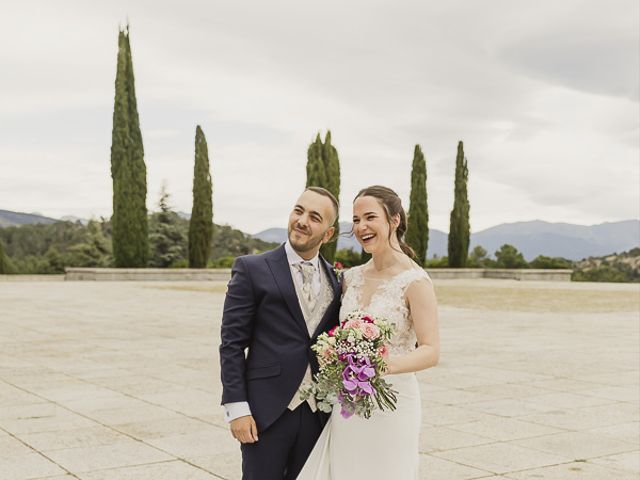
(352, 361)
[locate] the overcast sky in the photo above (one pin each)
(543, 94)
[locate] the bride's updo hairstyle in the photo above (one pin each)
(392, 205)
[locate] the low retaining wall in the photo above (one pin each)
(223, 274)
(148, 274)
(555, 275)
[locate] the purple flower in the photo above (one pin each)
(350, 385)
(366, 387)
(346, 412)
(366, 373)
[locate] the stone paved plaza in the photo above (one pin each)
(102, 380)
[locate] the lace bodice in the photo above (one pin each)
(388, 301)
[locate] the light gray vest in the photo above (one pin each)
(312, 319)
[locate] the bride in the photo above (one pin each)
(390, 285)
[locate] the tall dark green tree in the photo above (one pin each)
(201, 223)
(323, 170)
(167, 240)
(4, 261)
(128, 170)
(316, 171)
(459, 229)
(417, 236)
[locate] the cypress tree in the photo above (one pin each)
(4, 262)
(459, 229)
(417, 236)
(201, 223)
(323, 170)
(316, 175)
(128, 170)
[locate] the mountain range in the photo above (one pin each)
(532, 238)
(11, 219)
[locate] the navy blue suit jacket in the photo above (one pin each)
(262, 313)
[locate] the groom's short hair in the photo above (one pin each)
(326, 193)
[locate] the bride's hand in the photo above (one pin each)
(389, 370)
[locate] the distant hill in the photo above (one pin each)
(10, 219)
(534, 238)
(437, 239)
(561, 239)
(618, 267)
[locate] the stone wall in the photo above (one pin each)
(223, 274)
(148, 274)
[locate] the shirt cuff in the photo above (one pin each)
(236, 410)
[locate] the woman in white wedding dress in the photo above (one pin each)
(393, 286)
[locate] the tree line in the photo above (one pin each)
(49, 248)
(129, 221)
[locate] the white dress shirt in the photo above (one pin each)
(241, 409)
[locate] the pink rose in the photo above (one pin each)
(356, 323)
(383, 351)
(332, 332)
(370, 331)
(328, 352)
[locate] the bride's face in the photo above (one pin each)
(370, 225)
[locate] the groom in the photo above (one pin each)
(277, 304)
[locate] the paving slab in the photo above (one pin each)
(26, 467)
(120, 380)
(125, 453)
(172, 470)
(572, 471)
(501, 458)
(577, 445)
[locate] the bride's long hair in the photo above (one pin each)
(392, 205)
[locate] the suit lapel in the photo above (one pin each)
(279, 266)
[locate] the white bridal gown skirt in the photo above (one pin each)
(383, 447)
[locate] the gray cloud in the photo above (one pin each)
(544, 96)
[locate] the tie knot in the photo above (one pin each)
(306, 267)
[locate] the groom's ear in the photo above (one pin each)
(328, 235)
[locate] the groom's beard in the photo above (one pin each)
(304, 246)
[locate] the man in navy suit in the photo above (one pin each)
(276, 305)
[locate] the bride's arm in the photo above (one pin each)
(422, 303)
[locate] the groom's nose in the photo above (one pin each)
(303, 220)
